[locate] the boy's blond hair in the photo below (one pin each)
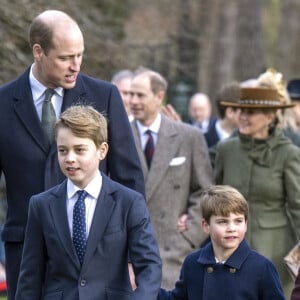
(84, 121)
(221, 200)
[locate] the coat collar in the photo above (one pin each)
(25, 109)
(260, 151)
(236, 260)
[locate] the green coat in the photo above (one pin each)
(267, 173)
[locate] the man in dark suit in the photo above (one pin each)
(80, 232)
(179, 169)
(200, 112)
(27, 157)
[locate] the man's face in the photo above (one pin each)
(124, 87)
(200, 108)
(144, 104)
(61, 65)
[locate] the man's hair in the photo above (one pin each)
(123, 74)
(157, 82)
(84, 122)
(41, 33)
(41, 30)
(221, 200)
(229, 92)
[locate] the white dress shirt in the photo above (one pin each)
(38, 95)
(93, 189)
(154, 128)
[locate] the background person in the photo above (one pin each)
(286, 117)
(200, 112)
(174, 178)
(122, 80)
(264, 165)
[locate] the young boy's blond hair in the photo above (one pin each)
(85, 122)
(221, 200)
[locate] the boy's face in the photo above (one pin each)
(226, 233)
(79, 158)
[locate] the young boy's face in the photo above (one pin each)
(79, 158)
(226, 233)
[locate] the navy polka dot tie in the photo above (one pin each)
(79, 225)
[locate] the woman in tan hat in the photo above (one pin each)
(264, 166)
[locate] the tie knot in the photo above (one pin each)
(148, 131)
(48, 94)
(81, 194)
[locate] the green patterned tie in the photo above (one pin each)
(48, 115)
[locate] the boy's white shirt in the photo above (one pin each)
(93, 189)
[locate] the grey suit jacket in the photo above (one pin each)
(50, 268)
(180, 169)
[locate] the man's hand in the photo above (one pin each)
(170, 112)
(182, 223)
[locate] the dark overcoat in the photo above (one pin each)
(29, 162)
(246, 275)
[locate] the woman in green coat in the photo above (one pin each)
(264, 166)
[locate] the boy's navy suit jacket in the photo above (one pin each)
(50, 268)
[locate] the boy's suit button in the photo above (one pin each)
(210, 269)
(83, 282)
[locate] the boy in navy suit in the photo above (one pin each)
(225, 268)
(80, 232)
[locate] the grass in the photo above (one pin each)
(3, 298)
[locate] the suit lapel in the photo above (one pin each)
(165, 150)
(26, 112)
(75, 95)
(58, 209)
(102, 215)
(25, 109)
(140, 151)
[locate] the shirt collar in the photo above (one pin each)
(93, 188)
(154, 127)
(38, 89)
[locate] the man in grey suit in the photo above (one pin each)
(179, 169)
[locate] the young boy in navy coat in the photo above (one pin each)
(71, 256)
(225, 268)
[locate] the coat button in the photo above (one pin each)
(210, 269)
(82, 282)
(232, 270)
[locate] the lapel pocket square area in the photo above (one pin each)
(177, 161)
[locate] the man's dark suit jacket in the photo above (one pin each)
(30, 164)
(50, 268)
